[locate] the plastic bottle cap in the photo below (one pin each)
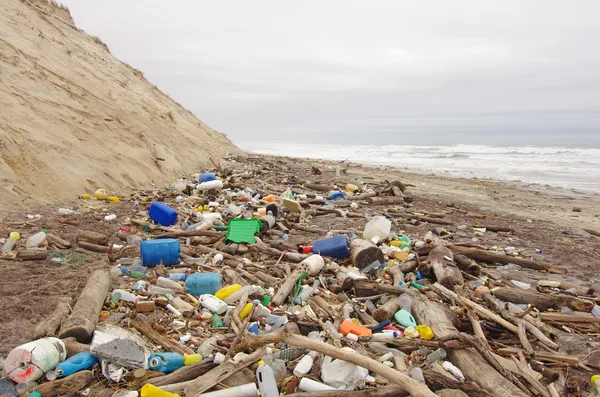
(261, 362)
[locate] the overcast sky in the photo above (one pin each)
(355, 71)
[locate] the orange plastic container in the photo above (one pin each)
(348, 327)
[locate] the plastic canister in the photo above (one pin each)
(225, 292)
(76, 363)
(213, 303)
(32, 360)
(203, 283)
(162, 214)
(314, 264)
(335, 247)
(153, 391)
(405, 319)
(377, 227)
(154, 251)
(165, 362)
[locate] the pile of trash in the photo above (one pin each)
(224, 284)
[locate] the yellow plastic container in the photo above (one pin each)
(86, 196)
(114, 199)
(351, 187)
(153, 391)
(15, 235)
(246, 310)
(226, 291)
(192, 358)
(425, 332)
(100, 194)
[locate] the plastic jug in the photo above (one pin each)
(213, 303)
(341, 374)
(153, 391)
(314, 264)
(32, 360)
(225, 292)
(377, 227)
(76, 363)
(165, 362)
(168, 283)
(192, 358)
(36, 239)
(335, 247)
(203, 283)
(162, 214)
(266, 381)
(167, 250)
(405, 319)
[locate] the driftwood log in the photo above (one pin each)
(66, 386)
(74, 347)
(363, 253)
(370, 288)
(191, 233)
(82, 321)
(51, 324)
(92, 237)
(286, 288)
(142, 324)
(93, 247)
(490, 257)
(473, 366)
(32, 254)
(384, 391)
(386, 200)
(387, 310)
(232, 277)
(57, 241)
(446, 272)
(542, 302)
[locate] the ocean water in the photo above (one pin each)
(571, 168)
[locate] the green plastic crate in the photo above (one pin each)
(242, 230)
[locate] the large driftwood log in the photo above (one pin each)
(358, 197)
(384, 391)
(387, 310)
(51, 324)
(92, 237)
(473, 366)
(370, 288)
(232, 277)
(286, 288)
(93, 247)
(74, 347)
(184, 374)
(486, 256)
(542, 302)
(363, 253)
(66, 386)
(57, 241)
(446, 272)
(191, 233)
(386, 200)
(405, 382)
(82, 321)
(32, 254)
(142, 324)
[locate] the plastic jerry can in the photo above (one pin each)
(153, 391)
(348, 327)
(76, 363)
(213, 303)
(203, 283)
(162, 214)
(405, 319)
(266, 380)
(335, 247)
(167, 250)
(34, 359)
(165, 362)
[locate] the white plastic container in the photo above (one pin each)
(213, 303)
(342, 374)
(266, 381)
(379, 227)
(309, 385)
(237, 295)
(304, 365)
(168, 283)
(110, 218)
(9, 244)
(126, 295)
(180, 185)
(33, 360)
(35, 240)
(210, 185)
(247, 390)
(314, 264)
(207, 347)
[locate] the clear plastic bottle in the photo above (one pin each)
(9, 244)
(439, 354)
(36, 239)
(405, 302)
(156, 290)
(126, 295)
(417, 374)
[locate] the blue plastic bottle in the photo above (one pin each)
(203, 283)
(165, 362)
(162, 214)
(207, 177)
(335, 247)
(155, 251)
(76, 363)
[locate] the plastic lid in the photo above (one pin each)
(261, 362)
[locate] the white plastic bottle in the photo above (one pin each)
(156, 290)
(213, 303)
(304, 365)
(210, 185)
(9, 244)
(36, 239)
(126, 295)
(266, 380)
(168, 283)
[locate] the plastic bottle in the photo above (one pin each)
(377, 227)
(134, 240)
(305, 293)
(236, 296)
(153, 252)
(167, 283)
(439, 354)
(266, 380)
(36, 239)
(23, 387)
(247, 390)
(65, 211)
(448, 366)
(309, 385)
(417, 374)
(153, 391)
(9, 244)
(110, 218)
(341, 374)
(596, 311)
(210, 185)
(405, 302)
(75, 363)
(225, 292)
(203, 283)
(32, 360)
(177, 276)
(165, 362)
(246, 310)
(213, 303)
(304, 365)
(521, 285)
(156, 290)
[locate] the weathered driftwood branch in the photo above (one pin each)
(82, 321)
(385, 200)
(93, 247)
(32, 254)
(91, 237)
(51, 324)
(405, 382)
(66, 386)
(363, 253)
(142, 324)
(286, 288)
(384, 391)
(486, 256)
(74, 347)
(446, 272)
(263, 248)
(542, 302)
(387, 310)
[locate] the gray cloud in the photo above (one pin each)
(350, 71)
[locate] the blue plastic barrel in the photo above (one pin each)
(155, 251)
(335, 247)
(207, 177)
(76, 363)
(165, 362)
(203, 283)
(162, 214)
